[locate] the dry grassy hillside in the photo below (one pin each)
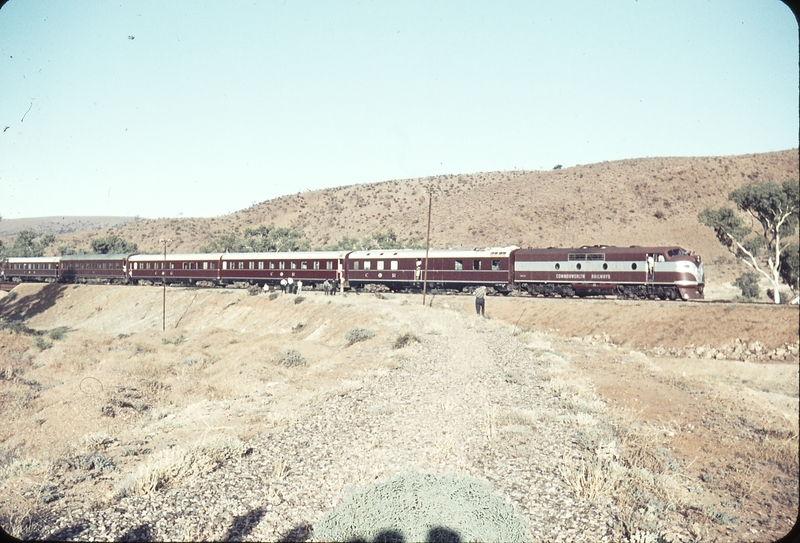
(628, 202)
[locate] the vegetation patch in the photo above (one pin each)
(290, 358)
(404, 340)
(413, 506)
(354, 335)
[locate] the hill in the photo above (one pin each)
(61, 225)
(628, 202)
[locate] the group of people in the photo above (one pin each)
(330, 288)
(296, 287)
(291, 286)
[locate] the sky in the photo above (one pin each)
(199, 109)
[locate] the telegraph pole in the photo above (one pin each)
(427, 244)
(164, 285)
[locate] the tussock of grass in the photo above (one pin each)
(172, 467)
(290, 358)
(404, 340)
(354, 335)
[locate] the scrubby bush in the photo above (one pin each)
(298, 299)
(42, 344)
(748, 282)
(11, 296)
(273, 295)
(354, 335)
(253, 290)
(57, 333)
(174, 341)
(290, 358)
(405, 340)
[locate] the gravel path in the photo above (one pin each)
(446, 405)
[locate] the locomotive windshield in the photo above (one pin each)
(677, 252)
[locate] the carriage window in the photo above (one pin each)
(355, 264)
(293, 265)
(224, 265)
(281, 265)
(367, 264)
(316, 264)
(241, 264)
(184, 265)
(251, 265)
(135, 265)
(476, 264)
(393, 264)
(495, 265)
(272, 265)
(191, 265)
(329, 265)
(212, 265)
(304, 265)
(380, 264)
(459, 264)
(147, 265)
(205, 265)
(260, 264)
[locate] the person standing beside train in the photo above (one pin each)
(480, 301)
(326, 287)
(283, 286)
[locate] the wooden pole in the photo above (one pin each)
(427, 246)
(164, 285)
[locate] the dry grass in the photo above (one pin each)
(173, 467)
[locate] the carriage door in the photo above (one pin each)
(651, 264)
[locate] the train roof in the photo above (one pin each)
(488, 252)
(95, 256)
(287, 255)
(170, 256)
(33, 259)
(633, 249)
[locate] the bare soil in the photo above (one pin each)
(116, 383)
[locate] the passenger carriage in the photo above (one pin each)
(39, 268)
(94, 268)
(311, 268)
(448, 269)
(200, 268)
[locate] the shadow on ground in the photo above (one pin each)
(33, 304)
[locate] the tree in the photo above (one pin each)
(263, 239)
(748, 282)
(774, 208)
(113, 244)
(28, 243)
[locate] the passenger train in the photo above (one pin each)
(629, 272)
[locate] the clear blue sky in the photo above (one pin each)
(179, 108)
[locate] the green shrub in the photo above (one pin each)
(354, 335)
(41, 343)
(748, 282)
(253, 290)
(273, 295)
(57, 333)
(298, 299)
(11, 296)
(290, 358)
